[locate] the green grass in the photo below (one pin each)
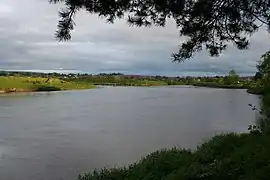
(225, 157)
(13, 82)
(122, 82)
(40, 84)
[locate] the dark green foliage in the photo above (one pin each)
(159, 164)
(46, 88)
(231, 81)
(106, 174)
(208, 24)
(231, 156)
(225, 86)
(264, 64)
(263, 83)
(3, 73)
(258, 91)
(258, 76)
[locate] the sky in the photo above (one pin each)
(27, 43)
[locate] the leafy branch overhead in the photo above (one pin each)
(209, 24)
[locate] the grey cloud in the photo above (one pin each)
(27, 42)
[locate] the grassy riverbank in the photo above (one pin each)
(117, 81)
(231, 156)
(25, 84)
(224, 86)
(257, 91)
(231, 81)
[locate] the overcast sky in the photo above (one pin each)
(27, 43)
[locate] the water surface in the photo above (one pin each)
(56, 136)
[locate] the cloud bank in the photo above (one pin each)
(27, 42)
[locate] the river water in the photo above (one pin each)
(56, 136)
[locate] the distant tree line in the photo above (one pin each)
(232, 78)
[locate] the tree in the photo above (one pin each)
(258, 76)
(232, 73)
(264, 69)
(264, 64)
(232, 78)
(3, 73)
(208, 24)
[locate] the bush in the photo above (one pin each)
(225, 86)
(225, 157)
(47, 88)
(258, 91)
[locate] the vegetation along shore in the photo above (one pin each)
(12, 84)
(31, 81)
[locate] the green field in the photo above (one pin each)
(118, 81)
(24, 84)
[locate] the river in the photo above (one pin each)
(56, 136)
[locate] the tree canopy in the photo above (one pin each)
(208, 24)
(232, 73)
(264, 64)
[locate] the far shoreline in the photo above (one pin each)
(37, 91)
(18, 91)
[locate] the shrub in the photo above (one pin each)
(47, 88)
(225, 157)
